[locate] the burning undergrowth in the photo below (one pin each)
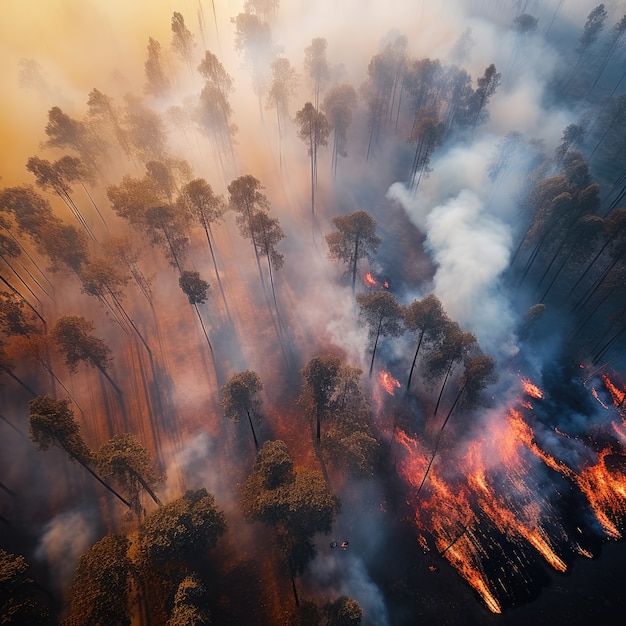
(514, 492)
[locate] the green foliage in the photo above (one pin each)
(197, 198)
(354, 239)
(128, 462)
(52, 423)
(266, 233)
(20, 600)
(381, 312)
(73, 335)
(189, 607)
(240, 395)
(194, 287)
(99, 593)
(182, 530)
(29, 209)
(313, 127)
(297, 503)
(246, 199)
(13, 318)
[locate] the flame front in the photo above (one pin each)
(491, 490)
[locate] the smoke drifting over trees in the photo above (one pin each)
(426, 338)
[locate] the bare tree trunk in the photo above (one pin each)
(256, 441)
(195, 306)
(419, 343)
(102, 482)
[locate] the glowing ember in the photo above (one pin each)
(594, 393)
(369, 280)
(531, 390)
(389, 383)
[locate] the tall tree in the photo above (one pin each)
(21, 600)
(145, 130)
(427, 320)
(320, 380)
(182, 38)
(196, 291)
(314, 130)
(266, 233)
(125, 460)
(316, 65)
(104, 118)
(50, 176)
(166, 226)
(486, 87)
(214, 111)
(338, 105)
(157, 83)
(281, 90)
(30, 210)
(246, 199)
(241, 395)
(100, 591)
(190, 604)
(64, 132)
(180, 532)
(52, 423)
(427, 133)
(382, 314)
(72, 333)
(455, 347)
(354, 239)
(253, 37)
(297, 503)
(199, 200)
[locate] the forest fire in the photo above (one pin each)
(492, 486)
(194, 237)
(388, 382)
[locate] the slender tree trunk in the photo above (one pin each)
(293, 582)
(102, 482)
(256, 441)
(21, 279)
(354, 263)
(8, 371)
(207, 230)
(445, 380)
(195, 306)
(30, 306)
(103, 371)
(380, 323)
(419, 343)
(148, 489)
(95, 206)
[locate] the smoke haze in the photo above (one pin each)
(455, 236)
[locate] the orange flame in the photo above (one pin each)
(492, 479)
(594, 393)
(616, 394)
(389, 383)
(369, 280)
(531, 390)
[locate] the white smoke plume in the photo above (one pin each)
(63, 539)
